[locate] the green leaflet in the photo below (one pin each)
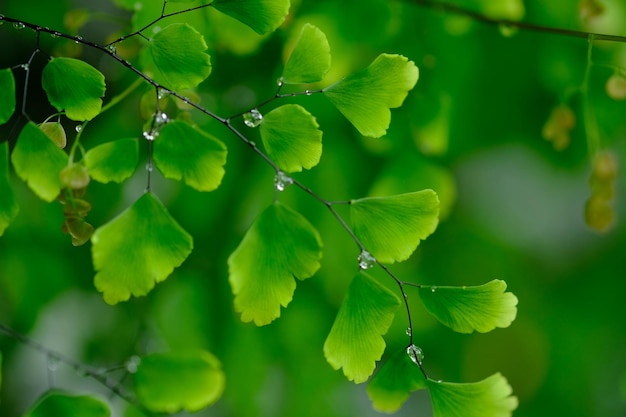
(490, 397)
(113, 161)
(8, 205)
(184, 152)
(176, 57)
(410, 172)
(172, 381)
(7, 95)
(366, 96)
(56, 133)
(465, 309)
(392, 227)
(291, 138)
(75, 86)
(309, 60)
(137, 249)
(280, 244)
(355, 340)
(263, 16)
(57, 403)
(393, 383)
(39, 162)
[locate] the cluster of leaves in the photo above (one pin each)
(144, 244)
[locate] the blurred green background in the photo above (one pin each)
(512, 208)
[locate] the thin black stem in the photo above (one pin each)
(459, 10)
(55, 356)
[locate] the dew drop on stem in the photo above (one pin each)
(366, 260)
(56, 34)
(409, 332)
(163, 93)
(19, 25)
(282, 181)
(78, 128)
(433, 289)
(253, 118)
(111, 48)
(133, 364)
(416, 354)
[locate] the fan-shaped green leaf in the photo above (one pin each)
(184, 152)
(263, 16)
(39, 162)
(366, 96)
(465, 309)
(8, 205)
(291, 138)
(57, 403)
(56, 133)
(172, 381)
(75, 86)
(137, 249)
(176, 57)
(113, 161)
(394, 381)
(490, 397)
(392, 227)
(310, 58)
(7, 95)
(355, 341)
(280, 244)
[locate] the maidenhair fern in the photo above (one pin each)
(142, 245)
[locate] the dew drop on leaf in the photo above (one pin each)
(416, 354)
(253, 118)
(19, 25)
(366, 260)
(282, 181)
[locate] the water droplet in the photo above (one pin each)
(282, 181)
(19, 25)
(433, 288)
(77, 39)
(416, 354)
(280, 82)
(150, 134)
(53, 363)
(366, 260)
(133, 364)
(164, 92)
(308, 92)
(56, 34)
(160, 118)
(78, 128)
(252, 118)
(25, 67)
(111, 48)
(409, 332)
(149, 166)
